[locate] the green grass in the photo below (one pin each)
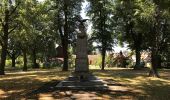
(16, 84)
(147, 88)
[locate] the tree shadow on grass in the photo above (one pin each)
(51, 92)
(152, 89)
(13, 86)
(155, 89)
(121, 73)
(78, 94)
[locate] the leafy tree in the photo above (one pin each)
(7, 19)
(145, 26)
(158, 32)
(35, 34)
(130, 25)
(102, 28)
(65, 23)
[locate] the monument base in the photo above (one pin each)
(82, 81)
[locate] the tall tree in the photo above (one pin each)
(100, 15)
(127, 17)
(158, 32)
(67, 10)
(7, 18)
(35, 32)
(145, 26)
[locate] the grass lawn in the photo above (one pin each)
(126, 84)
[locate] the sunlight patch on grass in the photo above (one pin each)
(46, 97)
(17, 77)
(2, 92)
(138, 81)
(13, 85)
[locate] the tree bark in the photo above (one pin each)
(4, 43)
(13, 60)
(34, 58)
(3, 60)
(154, 63)
(138, 58)
(6, 32)
(65, 38)
(65, 54)
(155, 44)
(103, 58)
(25, 60)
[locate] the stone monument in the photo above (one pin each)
(81, 64)
(81, 78)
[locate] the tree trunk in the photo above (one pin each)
(65, 38)
(154, 63)
(34, 58)
(13, 60)
(3, 60)
(65, 54)
(138, 58)
(103, 58)
(25, 60)
(4, 43)
(4, 50)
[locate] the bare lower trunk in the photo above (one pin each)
(25, 60)
(3, 59)
(34, 58)
(3, 55)
(13, 60)
(138, 59)
(4, 43)
(103, 58)
(153, 71)
(65, 53)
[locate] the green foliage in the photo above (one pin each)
(100, 14)
(98, 61)
(37, 27)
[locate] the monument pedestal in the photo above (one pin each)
(82, 79)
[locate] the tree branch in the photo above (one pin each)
(1, 42)
(1, 22)
(14, 9)
(52, 8)
(10, 55)
(12, 29)
(17, 55)
(61, 33)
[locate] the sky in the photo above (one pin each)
(83, 14)
(40, 0)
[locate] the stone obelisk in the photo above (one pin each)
(81, 50)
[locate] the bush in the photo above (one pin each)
(98, 62)
(53, 63)
(72, 61)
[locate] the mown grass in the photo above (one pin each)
(14, 85)
(147, 88)
(17, 84)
